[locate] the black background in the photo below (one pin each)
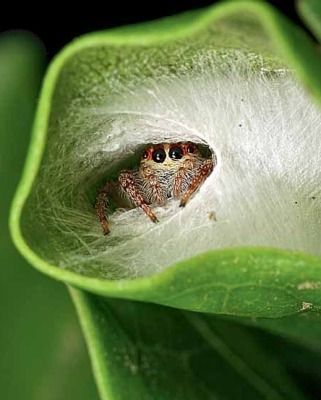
(56, 24)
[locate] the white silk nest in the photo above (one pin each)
(264, 191)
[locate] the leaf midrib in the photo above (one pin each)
(233, 359)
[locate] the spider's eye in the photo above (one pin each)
(159, 155)
(145, 155)
(175, 153)
(190, 148)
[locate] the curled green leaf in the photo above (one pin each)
(92, 119)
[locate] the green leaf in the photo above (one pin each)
(42, 352)
(167, 354)
(45, 242)
(303, 329)
(311, 12)
(273, 289)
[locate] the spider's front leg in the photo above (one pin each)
(202, 172)
(129, 184)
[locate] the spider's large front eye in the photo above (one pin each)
(159, 155)
(176, 153)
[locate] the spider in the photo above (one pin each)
(166, 170)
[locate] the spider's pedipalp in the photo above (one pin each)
(182, 175)
(202, 173)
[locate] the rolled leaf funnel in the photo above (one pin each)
(238, 79)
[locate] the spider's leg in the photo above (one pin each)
(100, 206)
(202, 173)
(128, 183)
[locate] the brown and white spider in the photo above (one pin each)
(166, 170)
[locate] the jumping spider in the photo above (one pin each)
(166, 170)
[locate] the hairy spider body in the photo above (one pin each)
(166, 170)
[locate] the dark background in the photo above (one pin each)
(57, 24)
